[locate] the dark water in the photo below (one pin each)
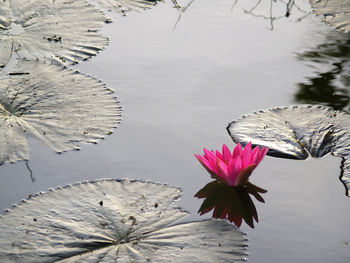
(179, 88)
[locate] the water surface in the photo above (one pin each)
(179, 88)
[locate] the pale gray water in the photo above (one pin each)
(179, 89)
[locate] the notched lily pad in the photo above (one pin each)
(64, 30)
(298, 131)
(57, 106)
(113, 220)
(123, 6)
(336, 13)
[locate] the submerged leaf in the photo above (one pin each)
(57, 106)
(123, 6)
(113, 221)
(298, 131)
(337, 13)
(65, 30)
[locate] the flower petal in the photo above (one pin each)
(208, 165)
(222, 169)
(244, 175)
(219, 155)
(226, 153)
(261, 155)
(234, 168)
(247, 149)
(203, 161)
(209, 154)
(254, 154)
(237, 151)
(245, 156)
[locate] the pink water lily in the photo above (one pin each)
(233, 168)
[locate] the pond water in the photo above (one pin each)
(181, 78)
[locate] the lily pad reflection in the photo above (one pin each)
(297, 132)
(113, 221)
(64, 30)
(56, 106)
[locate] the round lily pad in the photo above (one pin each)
(63, 30)
(336, 13)
(57, 106)
(112, 220)
(298, 132)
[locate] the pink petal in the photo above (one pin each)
(243, 176)
(219, 155)
(203, 161)
(237, 151)
(246, 160)
(209, 154)
(226, 153)
(261, 155)
(246, 155)
(235, 166)
(247, 149)
(230, 167)
(222, 169)
(254, 154)
(233, 171)
(208, 165)
(213, 165)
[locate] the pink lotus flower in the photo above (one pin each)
(233, 169)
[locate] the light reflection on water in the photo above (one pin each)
(179, 89)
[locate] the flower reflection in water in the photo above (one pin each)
(229, 195)
(232, 203)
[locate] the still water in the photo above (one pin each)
(181, 78)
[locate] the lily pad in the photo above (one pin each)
(336, 13)
(64, 30)
(123, 6)
(298, 132)
(57, 106)
(113, 220)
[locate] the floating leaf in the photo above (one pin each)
(336, 13)
(297, 132)
(113, 221)
(57, 106)
(67, 30)
(123, 6)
